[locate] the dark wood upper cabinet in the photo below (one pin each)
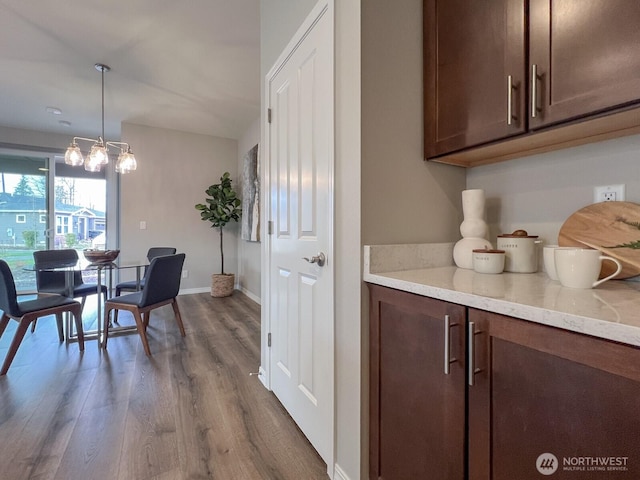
(508, 78)
(475, 72)
(587, 57)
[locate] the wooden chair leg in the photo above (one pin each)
(23, 326)
(107, 316)
(176, 312)
(60, 327)
(142, 332)
(77, 315)
(4, 321)
(33, 325)
(82, 302)
(146, 316)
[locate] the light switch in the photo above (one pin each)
(143, 225)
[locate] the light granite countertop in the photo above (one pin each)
(610, 311)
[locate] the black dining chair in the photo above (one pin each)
(161, 288)
(132, 285)
(48, 281)
(29, 311)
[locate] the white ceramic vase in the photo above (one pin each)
(473, 228)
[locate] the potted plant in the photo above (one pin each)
(222, 205)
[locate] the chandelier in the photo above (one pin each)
(99, 153)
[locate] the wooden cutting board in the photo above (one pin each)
(611, 227)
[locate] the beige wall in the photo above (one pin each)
(175, 168)
(249, 256)
(538, 193)
(31, 138)
(404, 198)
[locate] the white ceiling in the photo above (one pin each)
(187, 65)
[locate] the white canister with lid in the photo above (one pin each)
(521, 251)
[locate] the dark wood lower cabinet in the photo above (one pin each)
(542, 390)
(542, 401)
(417, 412)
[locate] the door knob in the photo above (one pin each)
(319, 259)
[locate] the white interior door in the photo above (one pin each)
(300, 198)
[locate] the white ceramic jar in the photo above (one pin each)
(521, 251)
(488, 261)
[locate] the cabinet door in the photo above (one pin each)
(545, 399)
(587, 56)
(471, 51)
(417, 411)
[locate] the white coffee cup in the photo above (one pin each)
(548, 258)
(580, 267)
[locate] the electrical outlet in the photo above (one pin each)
(185, 273)
(608, 193)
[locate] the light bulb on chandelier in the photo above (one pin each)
(99, 153)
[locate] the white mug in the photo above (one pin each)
(580, 267)
(548, 257)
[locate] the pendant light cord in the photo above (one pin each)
(102, 70)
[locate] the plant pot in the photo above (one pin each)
(222, 284)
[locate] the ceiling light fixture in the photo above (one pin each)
(99, 154)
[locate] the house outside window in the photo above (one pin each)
(43, 219)
(21, 218)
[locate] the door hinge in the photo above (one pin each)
(270, 227)
(268, 339)
(268, 115)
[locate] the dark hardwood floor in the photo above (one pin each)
(191, 411)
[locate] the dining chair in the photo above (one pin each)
(132, 285)
(29, 311)
(161, 288)
(49, 281)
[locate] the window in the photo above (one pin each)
(62, 225)
(21, 218)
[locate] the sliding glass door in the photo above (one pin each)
(80, 208)
(24, 213)
(45, 204)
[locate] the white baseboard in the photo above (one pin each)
(189, 291)
(251, 295)
(338, 473)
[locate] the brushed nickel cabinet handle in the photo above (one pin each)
(510, 116)
(534, 90)
(447, 346)
(471, 353)
(472, 358)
